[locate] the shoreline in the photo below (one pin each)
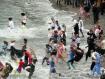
(88, 23)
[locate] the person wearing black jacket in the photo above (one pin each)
(91, 44)
(76, 29)
(95, 11)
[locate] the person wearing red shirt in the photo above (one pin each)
(21, 63)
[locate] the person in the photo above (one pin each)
(24, 44)
(63, 38)
(103, 7)
(12, 50)
(97, 67)
(60, 51)
(95, 11)
(81, 26)
(64, 27)
(52, 23)
(98, 31)
(93, 60)
(78, 40)
(79, 54)
(52, 65)
(91, 43)
(5, 47)
(24, 18)
(48, 52)
(81, 11)
(71, 58)
(31, 70)
(76, 28)
(102, 75)
(57, 25)
(20, 66)
(10, 23)
(27, 58)
(7, 69)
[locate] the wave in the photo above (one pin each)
(17, 33)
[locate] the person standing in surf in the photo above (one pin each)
(10, 23)
(24, 18)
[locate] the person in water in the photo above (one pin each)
(5, 47)
(21, 63)
(10, 23)
(23, 25)
(31, 69)
(28, 57)
(7, 69)
(24, 18)
(24, 44)
(97, 67)
(12, 50)
(71, 58)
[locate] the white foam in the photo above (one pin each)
(17, 33)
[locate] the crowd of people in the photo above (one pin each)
(56, 51)
(56, 48)
(11, 24)
(86, 6)
(24, 57)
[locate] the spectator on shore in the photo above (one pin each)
(95, 11)
(58, 2)
(82, 11)
(102, 7)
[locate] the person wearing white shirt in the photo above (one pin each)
(52, 23)
(11, 23)
(78, 40)
(81, 26)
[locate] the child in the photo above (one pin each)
(21, 63)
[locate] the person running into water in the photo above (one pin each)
(91, 43)
(60, 51)
(10, 23)
(21, 64)
(71, 58)
(48, 52)
(97, 67)
(31, 69)
(93, 61)
(28, 57)
(52, 66)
